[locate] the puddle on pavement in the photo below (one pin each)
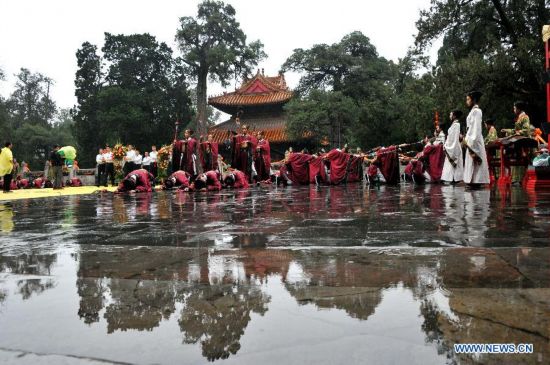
(336, 275)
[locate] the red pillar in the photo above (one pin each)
(548, 82)
(547, 85)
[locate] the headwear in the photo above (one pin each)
(475, 94)
(521, 105)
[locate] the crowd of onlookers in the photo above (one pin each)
(133, 160)
(18, 176)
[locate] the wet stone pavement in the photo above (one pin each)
(300, 275)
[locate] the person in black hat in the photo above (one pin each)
(476, 168)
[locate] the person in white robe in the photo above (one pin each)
(453, 168)
(476, 168)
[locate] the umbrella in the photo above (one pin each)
(69, 152)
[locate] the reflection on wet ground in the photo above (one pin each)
(335, 275)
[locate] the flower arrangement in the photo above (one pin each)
(163, 160)
(119, 151)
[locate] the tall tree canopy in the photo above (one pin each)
(491, 45)
(353, 79)
(494, 46)
(214, 47)
(133, 94)
(29, 118)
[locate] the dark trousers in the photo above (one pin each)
(154, 169)
(129, 167)
(100, 174)
(7, 182)
(109, 173)
(57, 176)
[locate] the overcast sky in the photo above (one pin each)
(43, 36)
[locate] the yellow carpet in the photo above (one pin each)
(47, 193)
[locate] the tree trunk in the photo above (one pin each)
(201, 102)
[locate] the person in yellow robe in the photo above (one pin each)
(522, 127)
(491, 131)
(6, 166)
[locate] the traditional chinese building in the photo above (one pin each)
(258, 103)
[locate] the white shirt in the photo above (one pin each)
(108, 156)
(130, 155)
(153, 156)
(99, 158)
(146, 161)
(138, 159)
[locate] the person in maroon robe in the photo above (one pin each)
(74, 182)
(355, 169)
(178, 179)
(38, 183)
(339, 161)
(208, 152)
(414, 171)
(262, 161)
(296, 168)
(138, 181)
(386, 161)
(243, 146)
(433, 157)
(235, 179)
(23, 183)
(317, 169)
(207, 181)
(184, 154)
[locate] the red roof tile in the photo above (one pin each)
(256, 91)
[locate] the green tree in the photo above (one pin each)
(322, 114)
(30, 102)
(28, 116)
(351, 78)
(88, 83)
(214, 47)
(494, 46)
(134, 94)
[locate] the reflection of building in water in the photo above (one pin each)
(140, 288)
(351, 281)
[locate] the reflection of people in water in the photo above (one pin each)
(6, 218)
(476, 213)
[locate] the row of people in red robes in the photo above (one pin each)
(250, 154)
(339, 166)
(141, 181)
(426, 165)
(38, 183)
